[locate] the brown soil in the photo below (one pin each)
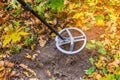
(51, 63)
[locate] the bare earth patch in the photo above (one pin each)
(50, 63)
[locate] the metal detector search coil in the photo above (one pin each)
(67, 41)
(72, 40)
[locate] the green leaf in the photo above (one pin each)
(90, 46)
(93, 41)
(15, 48)
(99, 43)
(104, 70)
(118, 76)
(29, 40)
(13, 3)
(16, 12)
(56, 5)
(90, 70)
(38, 1)
(100, 20)
(102, 50)
(40, 8)
(84, 79)
(110, 77)
(91, 60)
(100, 17)
(16, 23)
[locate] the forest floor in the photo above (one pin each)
(50, 64)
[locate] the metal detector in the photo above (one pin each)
(69, 40)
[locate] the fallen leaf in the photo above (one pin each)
(33, 79)
(13, 73)
(23, 66)
(3, 19)
(34, 56)
(98, 77)
(2, 68)
(28, 69)
(1, 63)
(78, 15)
(26, 74)
(42, 41)
(38, 51)
(2, 4)
(48, 72)
(33, 46)
(9, 64)
(31, 71)
(28, 56)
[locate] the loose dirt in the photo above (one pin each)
(50, 63)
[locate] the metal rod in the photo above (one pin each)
(27, 7)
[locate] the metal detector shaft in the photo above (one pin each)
(27, 7)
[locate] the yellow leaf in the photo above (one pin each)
(78, 15)
(98, 77)
(31, 71)
(23, 33)
(15, 37)
(113, 17)
(72, 6)
(2, 68)
(33, 46)
(53, 34)
(100, 22)
(6, 40)
(26, 74)
(34, 56)
(28, 69)
(33, 79)
(28, 56)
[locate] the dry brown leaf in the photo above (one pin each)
(9, 64)
(42, 41)
(1, 63)
(2, 4)
(26, 74)
(98, 77)
(38, 51)
(23, 66)
(115, 63)
(3, 56)
(3, 19)
(1, 78)
(48, 72)
(28, 69)
(13, 73)
(35, 20)
(31, 71)
(31, 1)
(33, 79)
(34, 56)
(33, 46)
(4, 16)
(2, 68)
(28, 56)
(2, 74)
